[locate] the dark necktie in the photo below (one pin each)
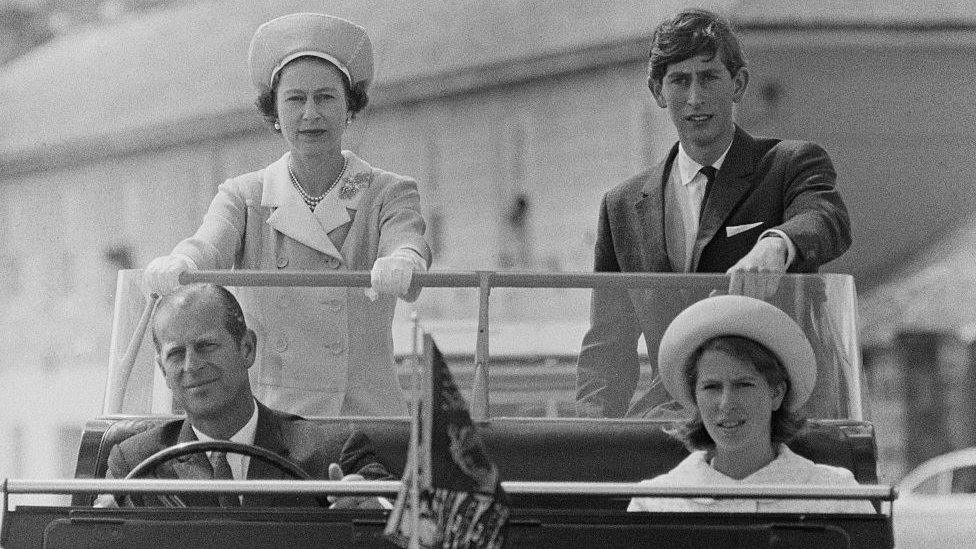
(221, 471)
(709, 173)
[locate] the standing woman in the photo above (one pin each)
(322, 351)
(742, 367)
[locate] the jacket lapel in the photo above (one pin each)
(268, 436)
(334, 210)
(291, 216)
(650, 217)
(299, 223)
(330, 214)
(731, 184)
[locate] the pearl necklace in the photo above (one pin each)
(313, 201)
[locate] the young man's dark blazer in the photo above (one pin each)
(306, 444)
(786, 185)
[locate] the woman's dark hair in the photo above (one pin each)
(691, 33)
(356, 98)
(783, 424)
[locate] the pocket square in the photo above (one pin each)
(733, 230)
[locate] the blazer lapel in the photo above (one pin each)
(299, 223)
(291, 216)
(731, 184)
(268, 436)
(650, 217)
(331, 214)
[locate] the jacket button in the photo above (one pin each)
(282, 262)
(332, 262)
(281, 343)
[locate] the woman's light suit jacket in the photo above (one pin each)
(321, 351)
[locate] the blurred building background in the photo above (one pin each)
(119, 119)
(25, 24)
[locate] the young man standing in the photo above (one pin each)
(722, 201)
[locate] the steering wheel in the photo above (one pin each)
(150, 464)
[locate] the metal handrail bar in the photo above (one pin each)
(157, 486)
(166, 486)
(459, 279)
(767, 491)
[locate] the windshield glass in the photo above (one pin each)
(533, 336)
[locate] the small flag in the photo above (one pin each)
(452, 495)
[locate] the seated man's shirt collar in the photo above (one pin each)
(244, 436)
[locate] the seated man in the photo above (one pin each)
(204, 350)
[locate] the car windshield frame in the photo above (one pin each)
(490, 346)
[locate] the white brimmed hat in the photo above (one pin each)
(743, 316)
(289, 37)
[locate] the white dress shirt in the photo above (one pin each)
(690, 192)
(238, 462)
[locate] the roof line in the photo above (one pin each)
(18, 159)
(240, 121)
(886, 26)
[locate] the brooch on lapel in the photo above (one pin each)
(352, 185)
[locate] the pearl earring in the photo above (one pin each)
(348, 121)
(277, 126)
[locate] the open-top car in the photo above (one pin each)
(568, 478)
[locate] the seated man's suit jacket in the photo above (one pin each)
(772, 184)
(302, 442)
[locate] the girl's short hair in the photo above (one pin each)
(784, 424)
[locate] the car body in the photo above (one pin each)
(569, 478)
(936, 504)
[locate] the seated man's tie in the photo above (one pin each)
(221, 471)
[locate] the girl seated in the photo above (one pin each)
(743, 367)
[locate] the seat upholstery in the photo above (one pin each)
(530, 449)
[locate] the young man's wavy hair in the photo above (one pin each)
(691, 33)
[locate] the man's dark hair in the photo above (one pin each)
(691, 33)
(783, 424)
(195, 293)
